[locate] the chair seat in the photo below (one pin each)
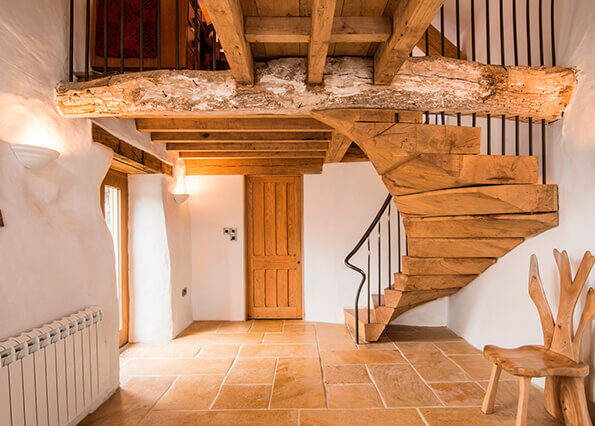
(534, 361)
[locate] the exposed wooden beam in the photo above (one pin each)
(241, 136)
(230, 124)
(433, 84)
(128, 158)
(228, 20)
(252, 154)
(323, 12)
(298, 29)
(435, 45)
(354, 154)
(337, 148)
(410, 20)
(267, 166)
(247, 146)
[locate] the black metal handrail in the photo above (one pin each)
(365, 277)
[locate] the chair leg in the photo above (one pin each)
(524, 389)
(490, 398)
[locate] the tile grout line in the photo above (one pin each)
(321, 367)
(226, 375)
(158, 399)
(376, 386)
(273, 383)
(423, 419)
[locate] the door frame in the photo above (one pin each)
(247, 236)
(119, 180)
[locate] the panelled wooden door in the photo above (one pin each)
(114, 204)
(274, 246)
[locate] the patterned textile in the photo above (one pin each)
(131, 28)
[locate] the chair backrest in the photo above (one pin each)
(560, 336)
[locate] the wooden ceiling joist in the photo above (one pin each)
(228, 20)
(266, 166)
(323, 12)
(240, 136)
(410, 21)
(434, 45)
(252, 154)
(298, 29)
(231, 124)
(337, 148)
(245, 146)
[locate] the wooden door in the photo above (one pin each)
(114, 204)
(274, 246)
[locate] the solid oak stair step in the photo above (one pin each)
(461, 247)
(369, 331)
(430, 172)
(405, 300)
(406, 282)
(499, 199)
(483, 226)
(383, 313)
(445, 266)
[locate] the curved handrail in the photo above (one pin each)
(359, 270)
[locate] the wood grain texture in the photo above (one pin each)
(435, 45)
(406, 282)
(247, 146)
(337, 148)
(256, 166)
(431, 84)
(461, 247)
(410, 20)
(244, 136)
(323, 12)
(445, 266)
(537, 294)
(252, 154)
(231, 124)
(228, 19)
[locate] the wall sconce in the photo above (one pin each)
(180, 192)
(34, 157)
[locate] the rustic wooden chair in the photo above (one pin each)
(559, 359)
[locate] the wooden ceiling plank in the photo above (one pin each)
(298, 29)
(247, 146)
(262, 124)
(410, 20)
(252, 154)
(241, 136)
(268, 166)
(228, 20)
(323, 12)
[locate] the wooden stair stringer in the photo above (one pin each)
(461, 210)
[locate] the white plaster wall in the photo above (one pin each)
(159, 248)
(217, 202)
(496, 308)
(338, 206)
(56, 255)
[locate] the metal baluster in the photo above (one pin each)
(552, 29)
(390, 259)
(503, 62)
(105, 25)
(489, 60)
(458, 40)
(368, 281)
(516, 62)
(399, 239)
(379, 263)
(474, 115)
(122, 30)
(87, 37)
(141, 42)
(71, 44)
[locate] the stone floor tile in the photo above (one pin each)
(201, 327)
(222, 418)
(267, 326)
(400, 386)
(176, 367)
(135, 350)
(234, 326)
(220, 338)
(191, 393)
(243, 397)
(459, 394)
(361, 357)
(430, 363)
(406, 333)
(477, 367)
(130, 403)
(339, 374)
(218, 351)
(375, 417)
(256, 371)
(279, 351)
(298, 384)
(471, 416)
(353, 396)
(457, 348)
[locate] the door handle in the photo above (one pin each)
(298, 262)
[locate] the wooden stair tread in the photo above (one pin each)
(400, 299)
(461, 247)
(480, 200)
(369, 331)
(445, 266)
(483, 226)
(534, 361)
(405, 282)
(430, 172)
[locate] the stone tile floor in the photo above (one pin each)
(303, 373)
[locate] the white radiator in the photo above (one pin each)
(50, 374)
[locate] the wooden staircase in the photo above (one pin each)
(461, 210)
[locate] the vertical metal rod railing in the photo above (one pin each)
(122, 31)
(390, 259)
(141, 42)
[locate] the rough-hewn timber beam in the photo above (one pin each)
(247, 146)
(252, 154)
(244, 136)
(410, 21)
(228, 20)
(424, 84)
(323, 12)
(298, 29)
(337, 148)
(255, 166)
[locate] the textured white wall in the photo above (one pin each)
(496, 308)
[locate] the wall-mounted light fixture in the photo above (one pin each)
(34, 157)
(180, 193)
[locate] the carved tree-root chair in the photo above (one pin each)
(559, 359)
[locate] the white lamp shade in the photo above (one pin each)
(34, 157)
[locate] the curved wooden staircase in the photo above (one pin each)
(461, 210)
